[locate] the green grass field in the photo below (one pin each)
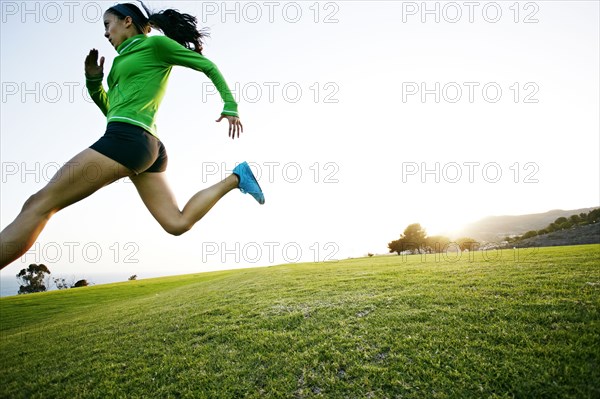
(511, 324)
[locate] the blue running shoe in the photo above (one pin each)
(248, 183)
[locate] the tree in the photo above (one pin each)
(566, 225)
(32, 279)
(80, 283)
(413, 239)
(395, 246)
(560, 220)
(593, 216)
(437, 244)
(468, 243)
(529, 234)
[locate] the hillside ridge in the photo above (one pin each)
(497, 228)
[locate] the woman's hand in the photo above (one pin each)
(235, 125)
(92, 68)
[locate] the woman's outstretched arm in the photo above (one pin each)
(172, 53)
(94, 72)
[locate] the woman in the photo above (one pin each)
(130, 147)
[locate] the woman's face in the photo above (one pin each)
(117, 30)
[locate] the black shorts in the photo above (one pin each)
(132, 147)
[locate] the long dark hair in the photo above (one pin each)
(180, 27)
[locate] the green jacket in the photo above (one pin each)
(138, 79)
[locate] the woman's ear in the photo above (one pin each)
(128, 21)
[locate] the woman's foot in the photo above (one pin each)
(248, 183)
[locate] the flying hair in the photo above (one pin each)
(178, 26)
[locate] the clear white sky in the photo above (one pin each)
(330, 94)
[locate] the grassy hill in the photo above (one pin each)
(496, 228)
(512, 323)
(577, 235)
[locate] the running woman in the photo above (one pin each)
(130, 146)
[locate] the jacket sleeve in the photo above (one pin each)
(97, 92)
(173, 53)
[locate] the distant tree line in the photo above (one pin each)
(562, 223)
(36, 278)
(415, 240)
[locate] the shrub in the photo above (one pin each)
(81, 283)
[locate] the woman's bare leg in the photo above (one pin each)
(81, 176)
(160, 201)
